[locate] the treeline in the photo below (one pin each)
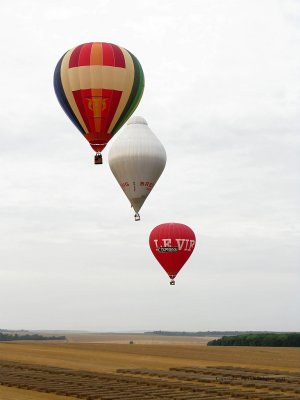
(8, 337)
(260, 339)
(202, 333)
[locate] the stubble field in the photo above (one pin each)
(150, 368)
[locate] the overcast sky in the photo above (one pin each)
(222, 93)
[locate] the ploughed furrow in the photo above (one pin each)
(247, 384)
(276, 376)
(279, 381)
(143, 384)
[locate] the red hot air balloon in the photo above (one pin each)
(98, 85)
(172, 245)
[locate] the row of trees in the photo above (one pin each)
(201, 333)
(260, 339)
(8, 337)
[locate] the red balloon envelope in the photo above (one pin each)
(172, 245)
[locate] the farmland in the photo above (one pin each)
(115, 369)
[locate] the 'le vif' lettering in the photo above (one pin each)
(166, 245)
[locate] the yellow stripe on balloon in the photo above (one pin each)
(96, 54)
(97, 121)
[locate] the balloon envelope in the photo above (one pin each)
(137, 159)
(98, 85)
(172, 245)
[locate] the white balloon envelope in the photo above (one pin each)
(137, 159)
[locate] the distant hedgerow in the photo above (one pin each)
(259, 339)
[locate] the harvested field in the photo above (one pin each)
(109, 357)
(139, 371)
(184, 383)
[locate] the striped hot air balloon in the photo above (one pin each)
(98, 85)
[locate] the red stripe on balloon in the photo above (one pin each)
(82, 100)
(85, 55)
(112, 55)
(114, 102)
(73, 62)
(119, 56)
(108, 54)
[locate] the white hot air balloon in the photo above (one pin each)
(137, 159)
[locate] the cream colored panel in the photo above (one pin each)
(68, 89)
(97, 77)
(128, 79)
